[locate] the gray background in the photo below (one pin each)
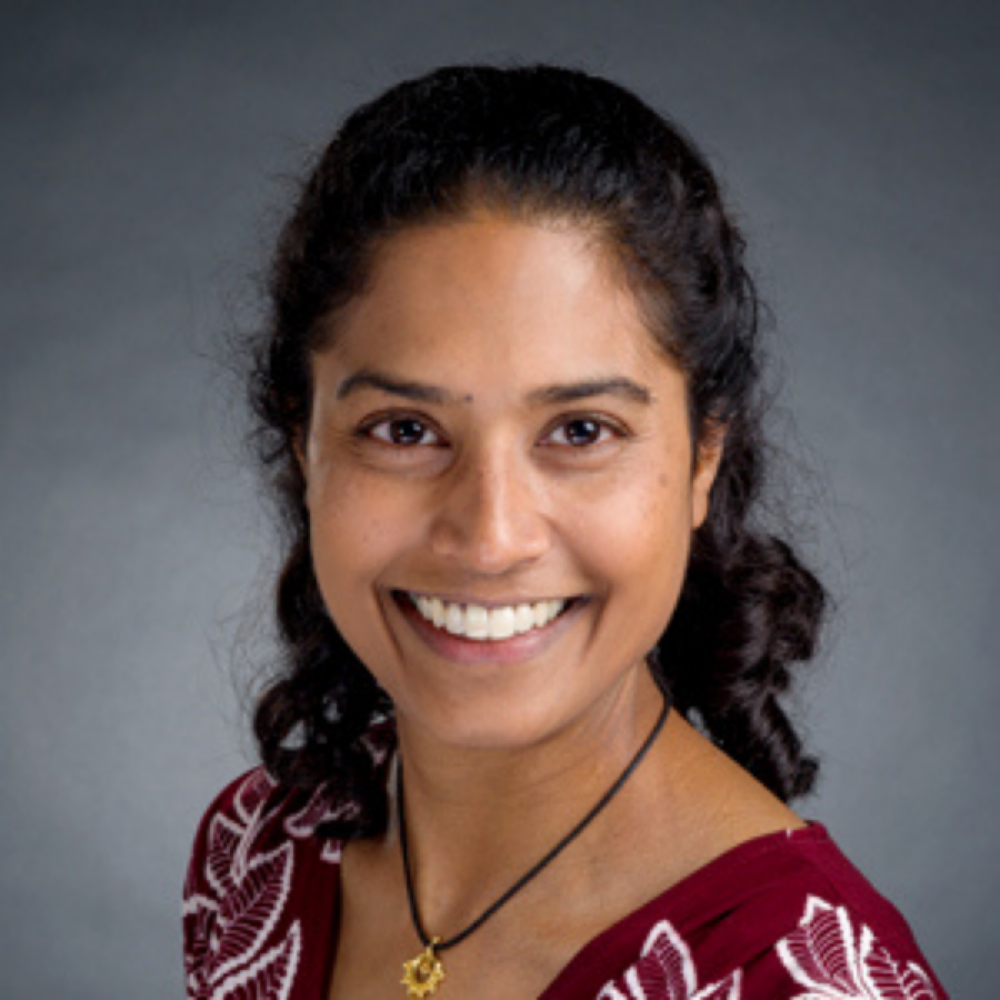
(145, 154)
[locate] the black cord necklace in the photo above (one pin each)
(423, 974)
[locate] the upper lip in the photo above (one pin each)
(483, 602)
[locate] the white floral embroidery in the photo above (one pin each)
(326, 805)
(323, 807)
(227, 935)
(233, 908)
(836, 960)
(271, 976)
(666, 971)
(827, 953)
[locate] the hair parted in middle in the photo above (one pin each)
(537, 143)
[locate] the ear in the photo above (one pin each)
(710, 452)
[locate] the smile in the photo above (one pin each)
(474, 621)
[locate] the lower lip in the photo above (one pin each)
(458, 649)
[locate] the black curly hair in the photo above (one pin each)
(537, 142)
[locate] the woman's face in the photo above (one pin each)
(500, 480)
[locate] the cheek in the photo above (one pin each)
(358, 529)
(356, 541)
(638, 536)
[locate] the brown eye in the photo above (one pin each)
(404, 432)
(579, 432)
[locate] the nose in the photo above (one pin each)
(490, 519)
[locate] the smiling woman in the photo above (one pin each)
(509, 396)
(527, 452)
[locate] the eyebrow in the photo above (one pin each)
(569, 392)
(617, 385)
(418, 391)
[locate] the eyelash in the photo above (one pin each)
(604, 427)
(368, 429)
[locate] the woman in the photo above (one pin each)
(527, 740)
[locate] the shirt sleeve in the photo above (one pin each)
(240, 935)
(260, 895)
(204, 893)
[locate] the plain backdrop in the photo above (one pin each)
(146, 155)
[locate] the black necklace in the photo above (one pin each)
(423, 974)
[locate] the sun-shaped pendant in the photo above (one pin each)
(423, 974)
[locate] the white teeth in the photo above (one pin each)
(477, 622)
(437, 612)
(483, 624)
(454, 620)
(501, 623)
(545, 611)
(524, 618)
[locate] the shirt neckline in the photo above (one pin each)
(622, 941)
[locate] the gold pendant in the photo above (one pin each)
(423, 974)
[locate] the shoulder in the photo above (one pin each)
(254, 815)
(260, 887)
(786, 915)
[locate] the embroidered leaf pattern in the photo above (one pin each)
(248, 915)
(253, 794)
(883, 975)
(270, 977)
(669, 969)
(322, 807)
(230, 951)
(199, 918)
(827, 953)
(666, 971)
(835, 960)
(223, 842)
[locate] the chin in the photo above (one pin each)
(489, 728)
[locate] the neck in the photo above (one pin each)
(477, 819)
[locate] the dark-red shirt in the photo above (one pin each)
(785, 915)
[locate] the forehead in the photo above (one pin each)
(516, 297)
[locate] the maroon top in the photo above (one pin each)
(785, 915)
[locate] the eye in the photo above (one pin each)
(403, 432)
(582, 432)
